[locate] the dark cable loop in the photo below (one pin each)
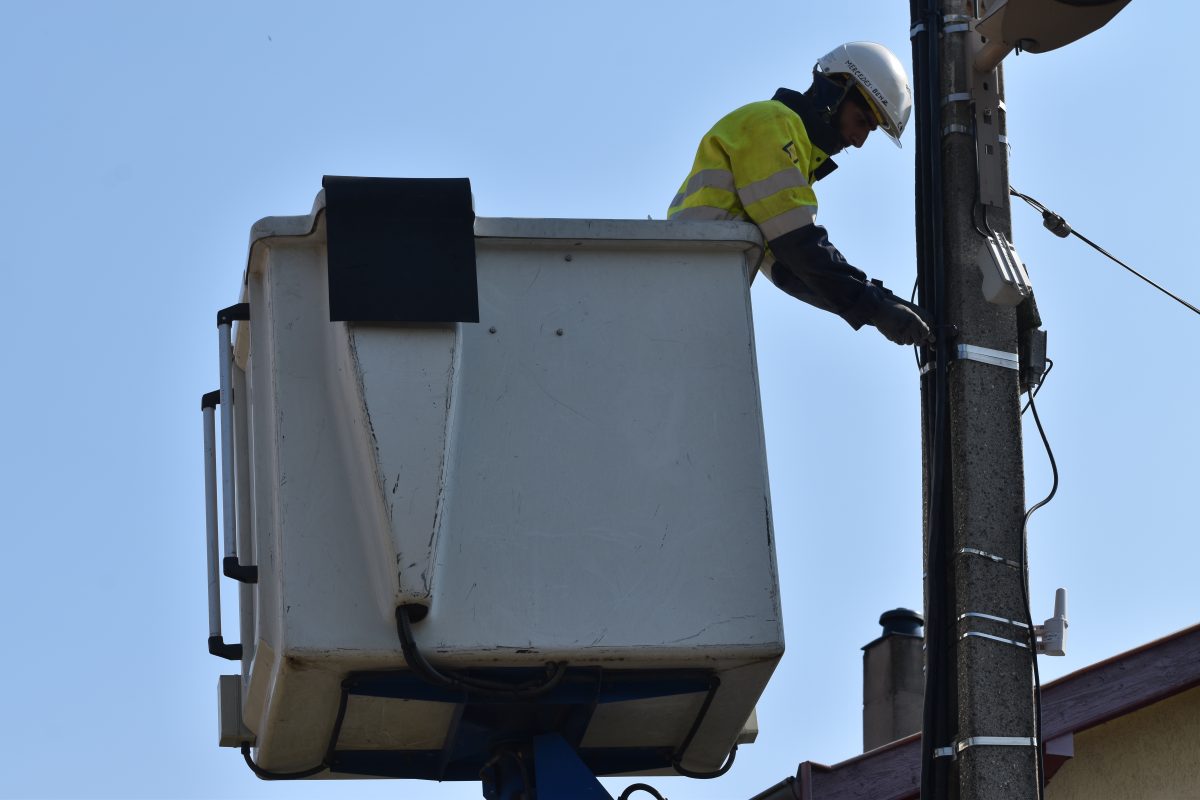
(640, 787)
(1053, 467)
(267, 775)
(417, 662)
(704, 776)
(677, 758)
(1041, 382)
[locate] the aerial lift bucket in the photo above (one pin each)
(488, 480)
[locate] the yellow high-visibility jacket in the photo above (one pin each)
(759, 163)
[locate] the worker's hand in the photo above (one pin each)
(901, 321)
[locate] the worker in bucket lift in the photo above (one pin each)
(760, 162)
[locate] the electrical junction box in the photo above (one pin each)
(1005, 281)
(578, 478)
(232, 732)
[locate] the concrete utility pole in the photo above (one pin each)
(984, 746)
(994, 679)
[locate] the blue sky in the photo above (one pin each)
(141, 141)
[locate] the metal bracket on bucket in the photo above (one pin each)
(231, 566)
(216, 642)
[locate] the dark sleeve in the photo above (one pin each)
(811, 269)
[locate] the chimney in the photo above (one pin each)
(893, 680)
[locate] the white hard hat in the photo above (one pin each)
(880, 77)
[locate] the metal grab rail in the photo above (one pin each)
(231, 566)
(216, 642)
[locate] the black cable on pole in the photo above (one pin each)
(937, 724)
(1037, 677)
(1042, 382)
(1053, 464)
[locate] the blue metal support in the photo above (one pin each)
(560, 772)
(548, 769)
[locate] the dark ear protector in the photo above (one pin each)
(827, 93)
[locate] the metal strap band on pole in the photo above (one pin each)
(990, 637)
(954, 127)
(992, 617)
(996, 741)
(984, 355)
(972, 551)
(952, 23)
(956, 97)
(985, 741)
(956, 23)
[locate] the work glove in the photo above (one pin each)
(900, 321)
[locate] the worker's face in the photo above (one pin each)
(855, 123)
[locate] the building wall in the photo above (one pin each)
(1150, 754)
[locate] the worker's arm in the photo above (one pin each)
(808, 267)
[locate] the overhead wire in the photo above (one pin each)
(1057, 225)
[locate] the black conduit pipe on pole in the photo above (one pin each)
(939, 712)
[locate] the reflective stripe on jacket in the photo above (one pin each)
(759, 163)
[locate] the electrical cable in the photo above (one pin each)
(267, 775)
(1053, 467)
(1038, 388)
(938, 710)
(677, 757)
(1059, 227)
(704, 776)
(325, 764)
(430, 674)
(912, 298)
(640, 787)
(1037, 678)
